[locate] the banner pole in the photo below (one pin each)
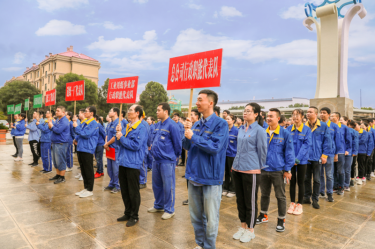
(190, 103)
(120, 112)
(74, 107)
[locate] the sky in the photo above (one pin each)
(267, 52)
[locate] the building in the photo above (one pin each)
(44, 75)
(19, 78)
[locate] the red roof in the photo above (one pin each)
(77, 55)
(31, 69)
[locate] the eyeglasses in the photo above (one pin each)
(248, 111)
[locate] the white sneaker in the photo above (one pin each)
(224, 193)
(81, 178)
(247, 236)
(167, 216)
(230, 195)
(78, 176)
(86, 194)
(81, 192)
(359, 181)
(372, 174)
(198, 247)
(364, 179)
(18, 159)
(68, 169)
(239, 233)
(154, 210)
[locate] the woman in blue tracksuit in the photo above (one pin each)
(355, 145)
(69, 152)
(250, 159)
(100, 148)
(228, 186)
(45, 143)
(19, 132)
(302, 141)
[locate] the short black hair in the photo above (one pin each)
(326, 109)
(53, 113)
(228, 112)
(314, 107)
(352, 123)
(282, 119)
(299, 111)
(123, 113)
(23, 115)
(117, 110)
(275, 110)
(183, 118)
(92, 109)
(62, 108)
(176, 114)
(82, 110)
(338, 114)
(139, 109)
(41, 112)
(370, 120)
(210, 94)
(69, 114)
(197, 113)
(217, 109)
(165, 106)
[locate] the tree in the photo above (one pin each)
(150, 98)
(103, 106)
(367, 108)
(91, 93)
(176, 111)
(16, 92)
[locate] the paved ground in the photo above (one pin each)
(35, 213)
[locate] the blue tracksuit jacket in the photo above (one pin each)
(232, 143)
(280, 153)
(337, 144)
(321, 141)
(365, 143)
(87, 136)
(355, 144)
(46, 132)
(345, 138)
(20, 128)
(207, 149)
(60, 131)
(101, 137)
(302, 142)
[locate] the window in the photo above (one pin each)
(37, 85)
(38, 74)
(45, 87)
(49, 67)
(55, 65)
(46, 74)
(54, 78)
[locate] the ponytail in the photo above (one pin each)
(256, 109)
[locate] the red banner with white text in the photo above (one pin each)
(50, 98)
(75, 91)
(195, 70)
(122, 90)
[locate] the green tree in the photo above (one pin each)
(91, 92)
(103, 106)
(16, 92)
(367, 108)
(153, 94)
(176, 111)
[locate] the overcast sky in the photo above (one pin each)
(267, 52)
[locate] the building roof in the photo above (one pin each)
(33, 68)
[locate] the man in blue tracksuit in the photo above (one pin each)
(206, 142)
(364, 150)
(176, 118)
(132, 142)
(59, 139)
(45, 143)
(99, 149)
(143, 169)
(279, 162)
(371, 132)
(124, 122)
(345, 137)
(34, 136)
(166, 147)
(320, 149)
(334, 161)
(112, 166)
(69, 152)
(149, 155)
(87, 140)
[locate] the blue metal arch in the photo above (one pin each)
(310, 8)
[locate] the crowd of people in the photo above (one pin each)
(226, 156)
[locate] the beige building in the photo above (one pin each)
(44, 75)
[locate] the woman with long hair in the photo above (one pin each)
(250, 159)
(302, 140)
(228, 186)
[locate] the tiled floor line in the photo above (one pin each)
(19, 228)
(360, 228)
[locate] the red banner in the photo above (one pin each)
(75, 91)
(122, 90)
(195, 70)
(50, 98)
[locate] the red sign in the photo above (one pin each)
(75, 91)
(50, 98)
(195, 70)
(122, 90)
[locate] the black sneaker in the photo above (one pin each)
(15, 155)
(54, 178)
(60, 180)
(123, 218)
(330, 198)
(181, 164)
(368, 177)
(335, 190)
(262, 218)
(351, 183)
(340, 191)
(306, 201)
(108, 188)
(141, 186)
(42, 171)
(105, 165)
(31, 164)
(34, 164)
(131, 222)
(280, 225)
(148, 170)
(185, 202)
(47, 172)
(315, 204)
(322, 195)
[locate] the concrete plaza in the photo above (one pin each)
(35, 213)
